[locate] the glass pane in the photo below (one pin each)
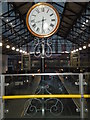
(41, 107)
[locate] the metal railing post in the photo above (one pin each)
(2, 80)
(81, 90)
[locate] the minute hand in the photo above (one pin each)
(42, 24)
(40, 21)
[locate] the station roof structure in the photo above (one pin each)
(74, 23)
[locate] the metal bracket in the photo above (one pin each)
(78, 110)
(84, 83)
(6, 84)
(76, 83)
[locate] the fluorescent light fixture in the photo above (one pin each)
(8, 46)
(84, 47)
(0, 44)
(17, 49)
(80, 48)
(13, 48)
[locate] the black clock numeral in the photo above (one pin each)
(37, 11)
(52, 19)
(34, 25)
(37, 29)
(34, 15)
(51, 14)
(42, 9)
(47, 10)
(48, 29)
(32, 20)
(52, 25)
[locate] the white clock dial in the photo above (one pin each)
(43, 20)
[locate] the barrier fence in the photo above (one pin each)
(80, 96)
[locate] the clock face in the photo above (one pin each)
(42, 20)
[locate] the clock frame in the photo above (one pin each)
(45, 35)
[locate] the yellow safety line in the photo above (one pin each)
(45, 96)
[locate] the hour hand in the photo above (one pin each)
(40, 21)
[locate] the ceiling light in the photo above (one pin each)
(23, 51)
(20, 62)
(82, 25)
(8, 46)
(66, 52)
(84, 47)
(27, 80)
(0, 44)
(80, 48)
(71, 51)
(11, 23)
(86, 21)
(17, 49)
(88, 45)
(20, 51)
(7, 20)
(76, 50)
(13, 48)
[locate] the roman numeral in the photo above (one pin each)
(47, 10)
(37, 11)
(52, 19)
(52, 25)
(34, 25)
(34, 15)
(51, 14)
(42, 9)
(38, 29)
(48, 29)
(32, 20)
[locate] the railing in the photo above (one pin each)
(80, 95)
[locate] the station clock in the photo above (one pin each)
(42, 20)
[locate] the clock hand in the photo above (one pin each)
(40, 21)
(42, 24)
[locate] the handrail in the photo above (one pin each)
(28, 74)
(46, 96)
